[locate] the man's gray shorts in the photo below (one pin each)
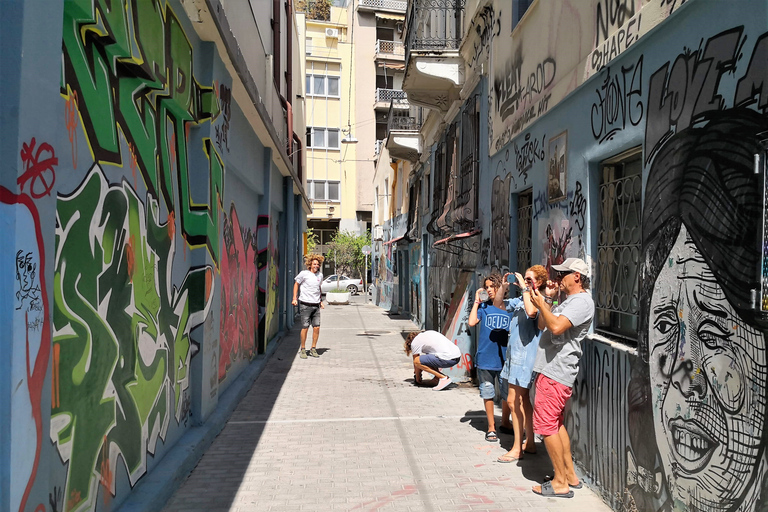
(310, 315)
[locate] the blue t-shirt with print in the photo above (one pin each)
(493, 335)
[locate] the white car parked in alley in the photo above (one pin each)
(345, 283)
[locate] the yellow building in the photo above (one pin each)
(353, 69)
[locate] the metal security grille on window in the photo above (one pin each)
(618, 247)
(524, 230)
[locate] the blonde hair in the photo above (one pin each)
(309, 258)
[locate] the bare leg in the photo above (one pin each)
(505, 413)
(554, 444)
(304, 337)
(517, 423)
(527, 419)
(489, 413)
(315, 336)
(569, 472)
(418, 367)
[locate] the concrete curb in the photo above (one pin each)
(157, 486)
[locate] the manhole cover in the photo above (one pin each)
(374, 333)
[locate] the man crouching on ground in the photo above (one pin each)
(311, 301)
(431, 352)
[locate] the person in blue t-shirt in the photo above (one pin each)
(492, 338)
(524, 337)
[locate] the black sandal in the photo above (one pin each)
(491, 436)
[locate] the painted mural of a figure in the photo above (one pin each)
(701, 393)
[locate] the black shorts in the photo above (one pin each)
(310, 315)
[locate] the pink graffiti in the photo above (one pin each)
(35, 377)
(386, 500)
(239, 318)
(39, 171)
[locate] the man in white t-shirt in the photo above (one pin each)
(309, 301)
(432, 351)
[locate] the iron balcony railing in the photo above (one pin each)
(389, 5)
(393, 48)
(433, 26)
(377, 148)
(401, 119)
(393, 96)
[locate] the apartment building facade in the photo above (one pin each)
(153, 205)
(626, 134)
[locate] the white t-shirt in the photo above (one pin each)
(432, 342)
(309, 286)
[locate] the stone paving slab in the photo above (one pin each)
(349, 431)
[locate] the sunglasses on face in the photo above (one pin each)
(561, 275)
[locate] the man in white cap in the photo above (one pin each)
(557, 363)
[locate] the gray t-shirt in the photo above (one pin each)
(558, 356)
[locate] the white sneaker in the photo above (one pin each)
(442, 384)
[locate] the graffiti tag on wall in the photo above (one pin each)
(121, 340)
(136, 79)
(239, 314)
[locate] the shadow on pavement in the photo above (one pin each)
(239, 438)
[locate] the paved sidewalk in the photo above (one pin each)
(349, 431)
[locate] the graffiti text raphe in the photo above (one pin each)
(122, 349)
(681, 92)
(130, 66)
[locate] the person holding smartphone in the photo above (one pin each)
(524, 337)
(492, 339)
(557, 363)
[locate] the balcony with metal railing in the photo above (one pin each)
(434, 29)
(404, 132)
(383, 5)
(390, 50)
(386, 97)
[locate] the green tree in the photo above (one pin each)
(346, 250)
(312, 241)
(315, 9)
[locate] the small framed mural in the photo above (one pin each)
(558, 164)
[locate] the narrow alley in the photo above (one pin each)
(350, 431)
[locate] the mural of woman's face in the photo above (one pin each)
(708, 377)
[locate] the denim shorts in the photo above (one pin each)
(488, 380)
(435, 363)
(310, 315)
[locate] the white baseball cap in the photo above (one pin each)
(573, 265)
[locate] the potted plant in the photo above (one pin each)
(337, 296)
(346, 250)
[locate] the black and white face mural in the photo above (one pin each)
(702, 340)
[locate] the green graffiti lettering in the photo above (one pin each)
(122, 332)
(130, 64)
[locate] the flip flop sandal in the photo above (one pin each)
(548, 478)
(506, 460)
(548, 492)
(491, 436)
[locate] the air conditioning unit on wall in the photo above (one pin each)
(332, 33)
